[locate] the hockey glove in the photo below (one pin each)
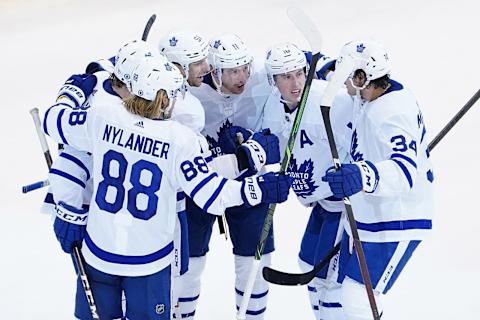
(69, 226)
(268, 188)
(77, 89)
(262, 148)
(352, 178)
(324, 65)
(228, 139)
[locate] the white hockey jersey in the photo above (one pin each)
(389, 131)
(222, 111)
(139, 164)
(311, 155)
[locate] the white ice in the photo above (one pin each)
(434, 49)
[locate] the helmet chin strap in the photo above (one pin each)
(358, 89)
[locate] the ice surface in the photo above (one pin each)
(433, 48)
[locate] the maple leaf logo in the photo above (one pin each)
(214, 143)
(356, 155)
(303, 182)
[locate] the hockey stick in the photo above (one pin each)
(311, 33)
(454, 120)
(35, 186)
(342, 71)
(300, 279)
(41, 137)
(148, 26)
(76, 254)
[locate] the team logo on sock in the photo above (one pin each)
(160, 308)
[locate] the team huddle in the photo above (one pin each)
(161, 141)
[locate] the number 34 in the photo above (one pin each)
(401, 144)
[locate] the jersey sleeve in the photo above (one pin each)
(69, 126)
(398, 144)
(208, 189)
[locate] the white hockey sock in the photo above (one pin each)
(355, 301)
(312, 291)
(189, 290)
(328, 295)
(258, 300)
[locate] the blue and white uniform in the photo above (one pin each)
(221, 112)
(390, 133)
(311, 157)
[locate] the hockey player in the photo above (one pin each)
(139, 162)
(189, 51)
(233, 96)
(389, 178)
(70, 174)
(286, 68)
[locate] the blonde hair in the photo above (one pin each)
(146, 108)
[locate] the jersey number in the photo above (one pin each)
(113, 159)
(401, 144)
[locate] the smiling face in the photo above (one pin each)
(291, 85)
(234, 79)
(196, 71)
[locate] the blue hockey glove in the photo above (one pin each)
(69, 226)
(352, 178)
(262, 148)
(324, 65)
(77, 89)
(228, 139)
(268, 188)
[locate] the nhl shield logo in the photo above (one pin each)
(160, 308)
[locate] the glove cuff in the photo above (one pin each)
(251, 192)
(71, 93)
(370, 177)
(257, 156)
(71, 214)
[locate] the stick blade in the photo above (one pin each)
(287, 279)
(343, 69)
(306, 26)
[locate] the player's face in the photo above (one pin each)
(196, 72)
(234, 79)
(290, 85)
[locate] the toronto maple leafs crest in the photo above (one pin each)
(215, 143)
(360, 47)
(173, 42)
(217, 44)
(303, 182)
(356, 155)
(168, 67)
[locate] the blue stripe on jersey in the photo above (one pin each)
(188, 299)
(395, 225)
(252, 296)
(202, 183)
(45, 129)
(49, 199)
(214, 195)
(59, 126)
(180, 196)
(405, 172)
(404, 157)
(77, 161)
(121, 259)
(68, 177)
